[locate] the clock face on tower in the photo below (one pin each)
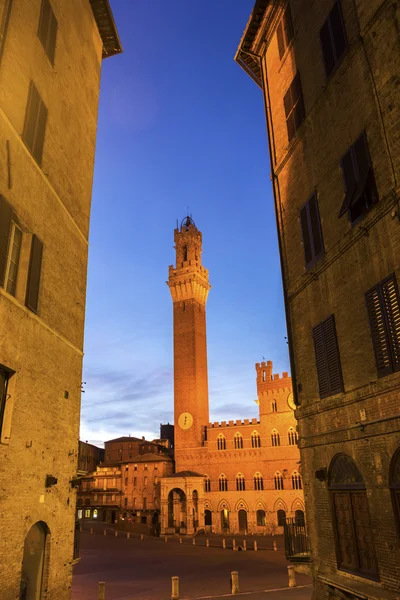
(290, 401)
(185, 421)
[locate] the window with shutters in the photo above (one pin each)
(359, 181)
(35, 266)
(333, 39)
(207, 484)
(313, 244)
(384, 319)
(327, 358)
(47, 31)
(35, 123)
(284, 32)
(355, 548)
(294, 106)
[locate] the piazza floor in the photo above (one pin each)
(141, 570)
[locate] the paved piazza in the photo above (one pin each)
(142, 570)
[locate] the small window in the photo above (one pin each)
(207, 484)
(292, 437)
(135, 467)
(223, 483)
(238, 441)
(278, 481)
(327, 358)
(13, 259)
(281, 514)
(359, 181)
(240, 483)
(134, 481)
(145, 481)
(258, 482)
(333, 39)
(94, 497)
(144, 503)
(296, 481)
(47, 31)
(274, 406)
(35, 123)
(311, 231)
(384, 318)
(255, 440)
(275, 438)
(294, 106)
(34, 274)
(284, 32)
(145, 467)
(221, 442)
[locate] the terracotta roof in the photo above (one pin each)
(249, 63)
(106, 26)
(185, 474)
(126, 438)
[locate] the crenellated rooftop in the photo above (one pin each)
(238, 423)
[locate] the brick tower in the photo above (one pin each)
(189, 286)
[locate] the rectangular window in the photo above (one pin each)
(126, 502)
(47, 31)
(144, 503)
(35, 266)
(13, 259)
(3, 395)
(145, 481)
(35, 123)
(284, 32)
(333, 39)
(135, 467)
(311, 231)
(359, 181)
(145, 467)
(134, 481)
(327, 358)
(5, 228)
(384, 318)
(294, 106)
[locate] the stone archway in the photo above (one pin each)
(35, 558)
(242, 520)
(177, 510)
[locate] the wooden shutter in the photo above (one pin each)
(390, 298)
(281, 41)
(287, 25)
(306, 235)
(379, 332)
(297, 95)
(315, 223)
(350, 180)
(332, 356)
(47, 31)
(35, 265)
(32, 111)
(338, 31)
(5, 229)
(320, 360)
(327, 49)
(37, 150)
(51, 47)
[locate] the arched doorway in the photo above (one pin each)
(33, 562)
(299, 518)
(177, 510)
(225, 520)
(242, 517)
(207, 518)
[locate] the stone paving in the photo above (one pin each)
(142, 570)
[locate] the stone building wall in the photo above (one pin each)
(42, 351)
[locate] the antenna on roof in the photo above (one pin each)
(177, 223)
(263, 357)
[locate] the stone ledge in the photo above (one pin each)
(363, 589)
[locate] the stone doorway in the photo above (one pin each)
(225, 520)
(242, 516)
(34, 560)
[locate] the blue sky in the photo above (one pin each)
(180, 125)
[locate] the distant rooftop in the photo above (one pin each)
(126, 438)
(106, 26)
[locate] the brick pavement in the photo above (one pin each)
(142, 570)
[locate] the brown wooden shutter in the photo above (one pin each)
(390, 298)
(320, 360)
(327, 49)
(306, 235)
(37, 150)
(35, 265)
(5, 228)
(298, 102)
(332, 356)
(338, 31)
(44, 22)
(287, 25)
(315, 223)
(350, 181)
(379, 334)
(281, 41)
(32, 110)
(52, 38)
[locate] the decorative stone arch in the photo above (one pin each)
(35, 561)
(260, 505)
(297, 504)
(241, 505)
(224, 504)
(280, 505)
(208, 505)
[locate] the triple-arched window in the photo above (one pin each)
(292, 436)
(275, 438)
(238, 441)
(207, 484)
(297, 483)
(255, 440)
(240, 483)
(221, 442)
(258, 481)
(274, 406)
(278, 481)
(223, 483)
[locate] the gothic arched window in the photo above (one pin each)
(221, 442)
(355, 548)
(275, 438)
(296, 481)
(258, 481)
(238, 441)
(394, 483)
(292, 436)
(223, 483)
(278, 481)
(274, 406)
(207, 484)
(261, 518)
(255, 440)
(281, 514)
(240, 483)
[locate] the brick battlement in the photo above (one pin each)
(238, 423)
(188, 265)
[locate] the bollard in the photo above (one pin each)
(105, 532)
(102, 591)
(180, 540)
(235, 582)
(274, 546)
(207, 542)
(244, 545)
(292, 576)
(91, 530)
(194, 541)
(233, 544)
(175, 588)
(116, 534)
(255, 545)
(141, 537)
(165, 539)
(224, 543)
(128, 535)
